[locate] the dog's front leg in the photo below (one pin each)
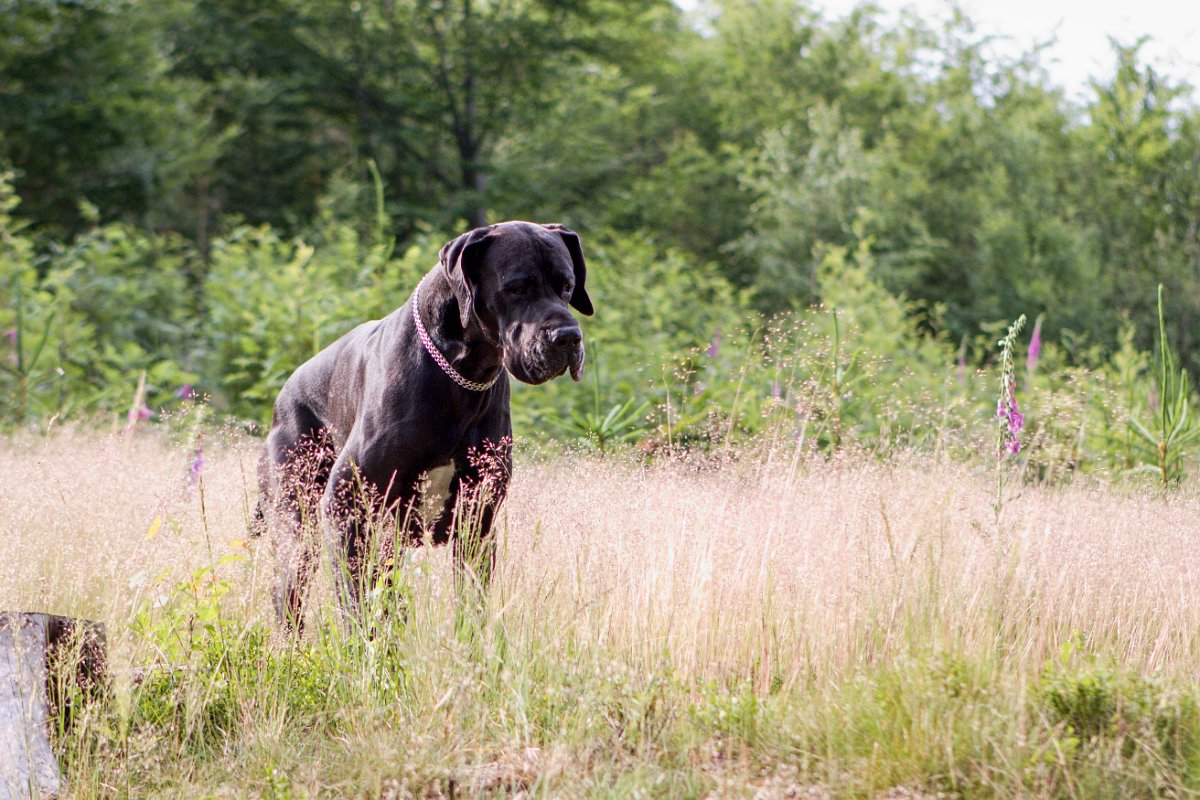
(476, 494)
(473, 541)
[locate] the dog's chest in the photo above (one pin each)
(436, 488)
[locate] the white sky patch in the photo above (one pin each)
(1080, 28)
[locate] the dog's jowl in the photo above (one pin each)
(363, 429)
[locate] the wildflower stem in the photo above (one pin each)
(1009, 420)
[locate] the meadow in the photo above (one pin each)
(767, 621)
(813, 525)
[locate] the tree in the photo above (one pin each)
(90, 113)
(433, 85)
(1140, 193)
(809, 194)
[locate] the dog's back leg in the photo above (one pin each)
(298, 456)
(345, 512)
(257, 525)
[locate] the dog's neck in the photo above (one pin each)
(471, 351)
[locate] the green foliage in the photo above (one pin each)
(621, 424)
(274, 303)
(877, 343)
(805, 198)
(1165, 440)
(186, 618)
(1092, 704)
(1085, 701)
(787, 218)
(733, 717)
(82, 323)
(91, 112)
(656, 309)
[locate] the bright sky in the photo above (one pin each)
(1082, 29)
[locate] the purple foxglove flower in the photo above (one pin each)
(139, 413)
(1035, 346)
(715, 347)
(185, 392)
(1008, 412)
(197, 466)
(11, 335)
(1016, 420)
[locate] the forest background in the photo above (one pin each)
(787, 217)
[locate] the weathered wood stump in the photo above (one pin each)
(46, 661)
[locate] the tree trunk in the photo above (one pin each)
(469, 141)
(473, 180)
(43, 659)
(473, 175)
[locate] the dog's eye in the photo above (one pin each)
(517, 289)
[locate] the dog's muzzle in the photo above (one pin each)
(550, 354)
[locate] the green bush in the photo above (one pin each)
(1090, 703)
(676, 355)
(274, 303)
(663, 323)
(83, 322)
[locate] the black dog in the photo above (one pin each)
(398, 402)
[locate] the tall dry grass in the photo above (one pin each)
(768, 569)
(785, 567)
(768, 562)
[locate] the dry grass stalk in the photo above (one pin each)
(752, 568)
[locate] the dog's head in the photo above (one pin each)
(516, 280)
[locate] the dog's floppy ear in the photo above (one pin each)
(461, 259)
(579, 298)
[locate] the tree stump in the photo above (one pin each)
(46, 662)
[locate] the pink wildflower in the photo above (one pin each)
(1035, 346)
(139, 413)
(1007, 411)
(197, 465)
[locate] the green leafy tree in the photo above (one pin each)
(1140, 193)
(805, 196)
(90, 112)
(432, 86)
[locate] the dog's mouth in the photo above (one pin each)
(543, 364)
(575, 362)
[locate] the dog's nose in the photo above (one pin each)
(566, 336)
